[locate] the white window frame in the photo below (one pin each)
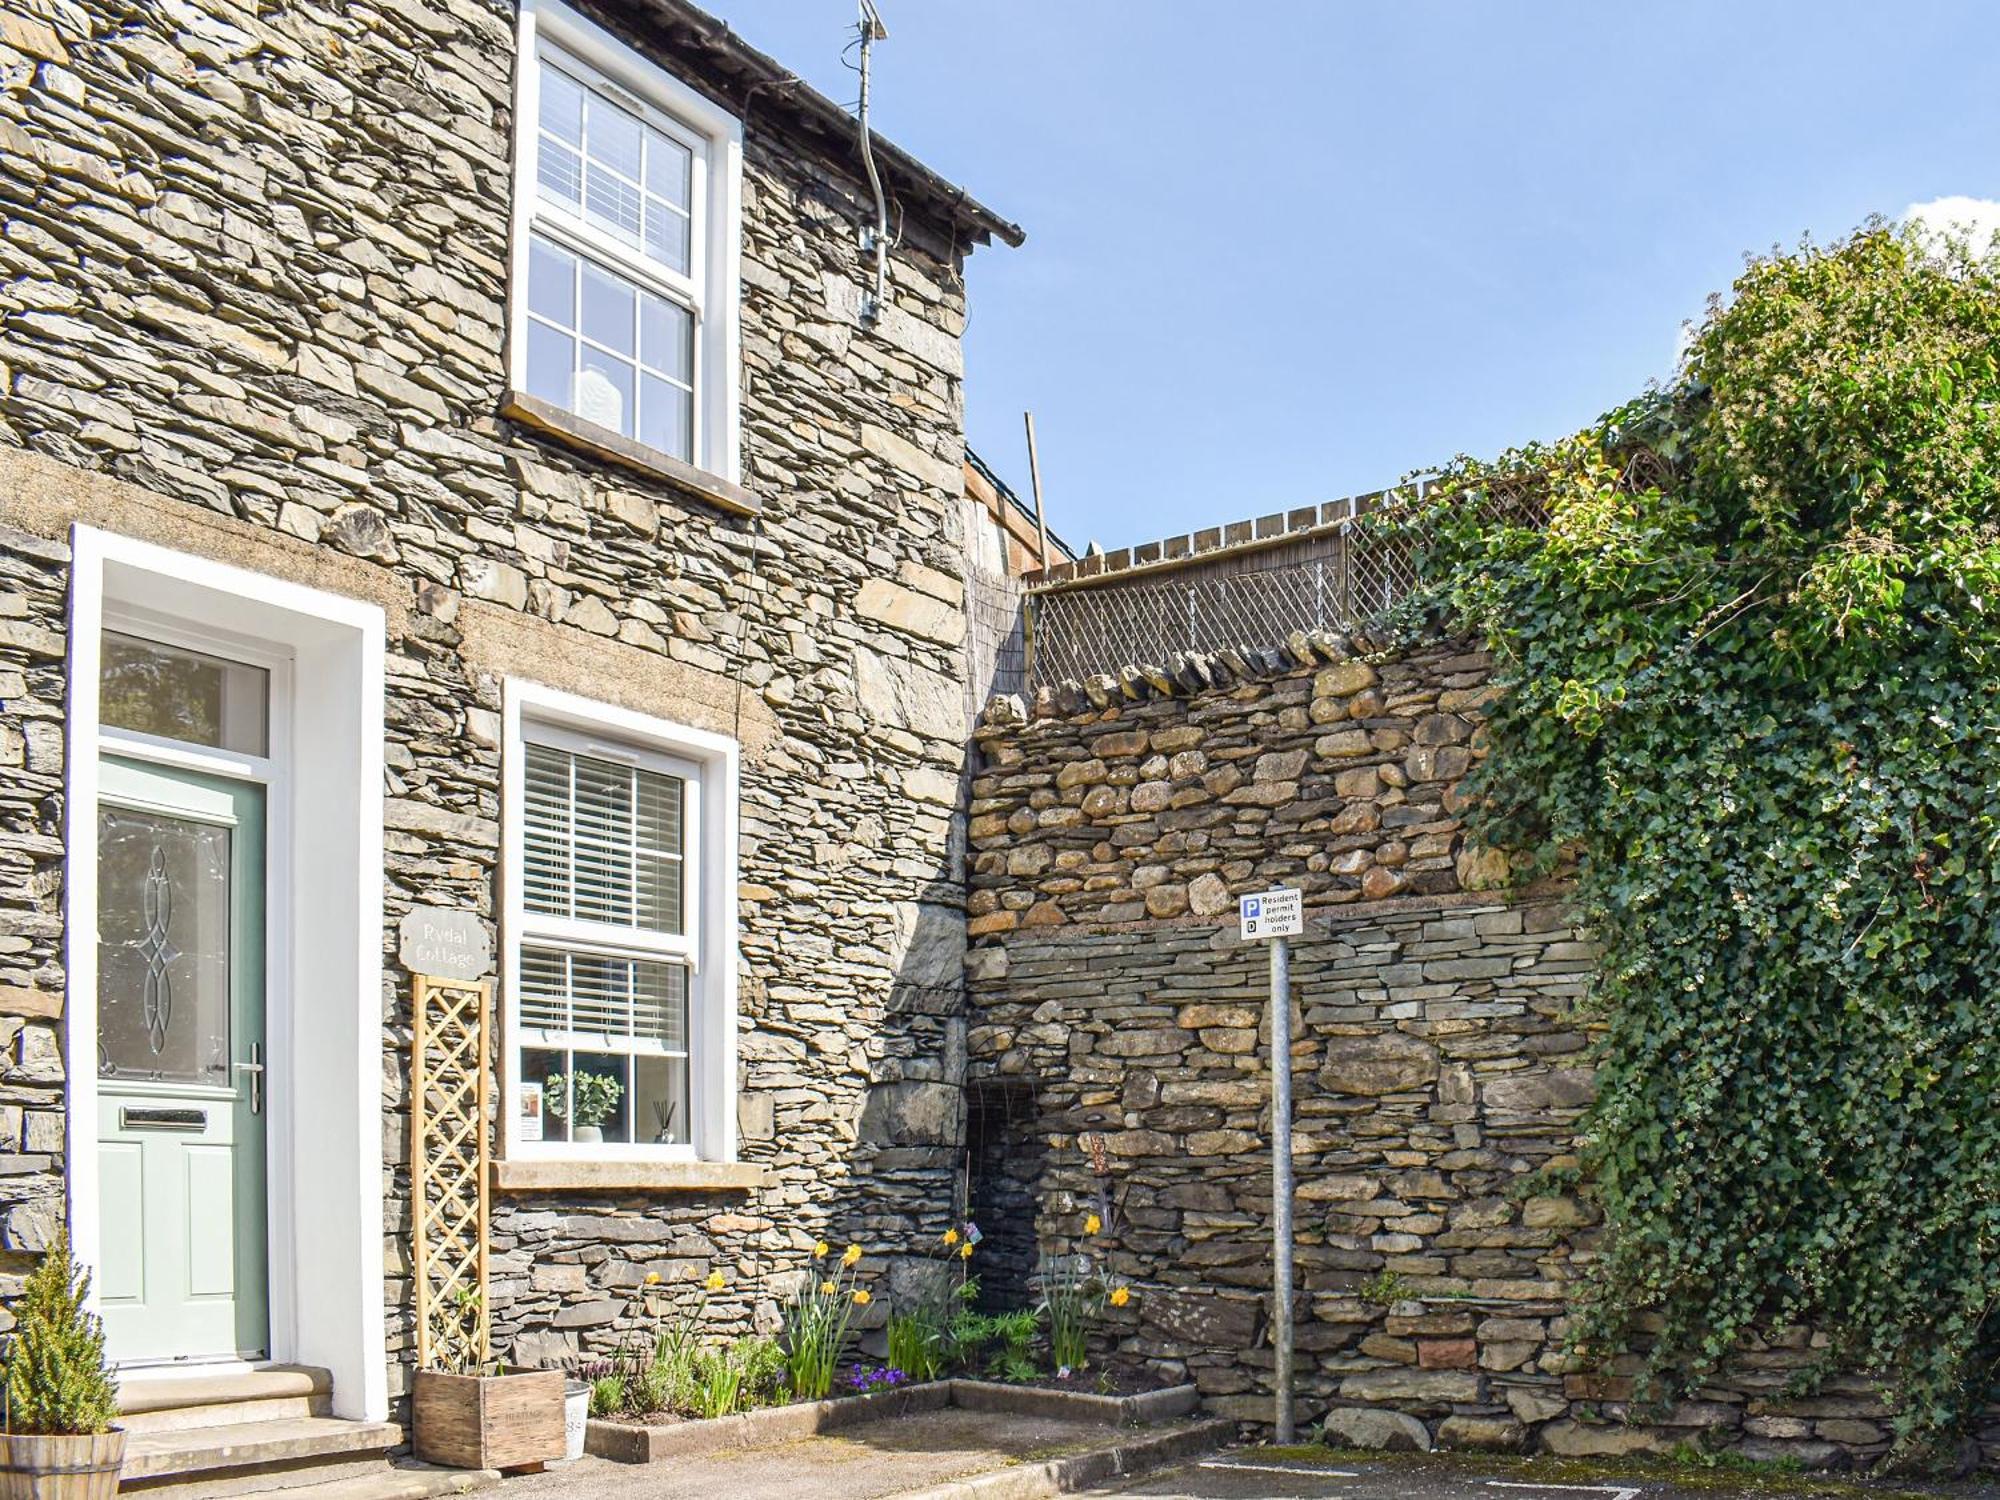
(711, 288)
(710, 764)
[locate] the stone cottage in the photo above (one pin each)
(454, 456)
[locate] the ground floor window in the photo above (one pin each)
(620, 932)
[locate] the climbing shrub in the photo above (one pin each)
(1752, 672)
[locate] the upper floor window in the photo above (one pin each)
(626, 221)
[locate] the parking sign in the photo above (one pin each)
(1270, 914)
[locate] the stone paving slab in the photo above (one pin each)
(892, 1457)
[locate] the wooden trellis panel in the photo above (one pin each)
(449, 1170)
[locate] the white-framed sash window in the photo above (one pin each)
(627, 213)
(620, 903)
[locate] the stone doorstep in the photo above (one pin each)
(232, 1413)
(1060, 1476)
(636, 1443)
(151, 1393)
(238, 1458)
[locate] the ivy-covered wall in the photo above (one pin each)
(1440, 1063)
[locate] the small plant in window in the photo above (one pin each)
(586, 1100)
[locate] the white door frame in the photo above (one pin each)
(324, 926)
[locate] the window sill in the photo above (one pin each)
(619, 1176)
(602, 442)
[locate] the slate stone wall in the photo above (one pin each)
(1439, 1064)
(252, 292)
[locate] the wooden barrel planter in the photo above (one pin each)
(47, 1466)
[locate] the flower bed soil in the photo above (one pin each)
(650, 1440)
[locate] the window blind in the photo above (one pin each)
(602, 841)
(624, 1000)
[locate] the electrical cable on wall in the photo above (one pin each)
(875, 239)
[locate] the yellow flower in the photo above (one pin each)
(826, 1289)
(951, 1236)
(1092, 1224)
(965, 1251)
(652, 1278)
(715, 1282)
(819, 1251)
(853, 1254)
(861, 1297)
(1121, 1296)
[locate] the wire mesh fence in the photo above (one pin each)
(1334, 579)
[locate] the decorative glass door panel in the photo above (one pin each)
(180, 907)
(164, 898)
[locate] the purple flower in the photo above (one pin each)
(880, 1378)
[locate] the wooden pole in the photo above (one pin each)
(1035, 480)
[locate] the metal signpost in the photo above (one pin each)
(1277, 915)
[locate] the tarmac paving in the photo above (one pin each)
(1245, 1474)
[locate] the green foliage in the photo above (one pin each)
(1072, 1295)
(918, 1329)
(1384, 1289)
(916, 1344)
(1752, 672)
(1728, 1460)
(816, 1322)
(729, 1378)
(661, 1384)
(1001, 1344)
(607, 1396)
(590, 1096)
(57, 1379)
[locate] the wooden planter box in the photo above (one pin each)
(47, 1467)
(488, 1421)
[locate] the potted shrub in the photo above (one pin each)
(468, 1416)
(59, 1443)
(586, 1100)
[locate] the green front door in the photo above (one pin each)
(180, 1050)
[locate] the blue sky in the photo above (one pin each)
(1282, 252)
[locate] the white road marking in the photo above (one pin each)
(1616, 1492)
(1303, 1473)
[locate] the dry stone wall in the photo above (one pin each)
(252, 293)
(1439, 1062)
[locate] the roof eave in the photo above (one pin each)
(732, 56)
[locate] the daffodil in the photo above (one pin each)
(826, 1289)
(1092, 1224)
(853, 1254)
(819, 1251)
(861, 1296)
(1121, 1296)
(652, 1278)
(965, 1251)
(951, 1236)
(715, 1283)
